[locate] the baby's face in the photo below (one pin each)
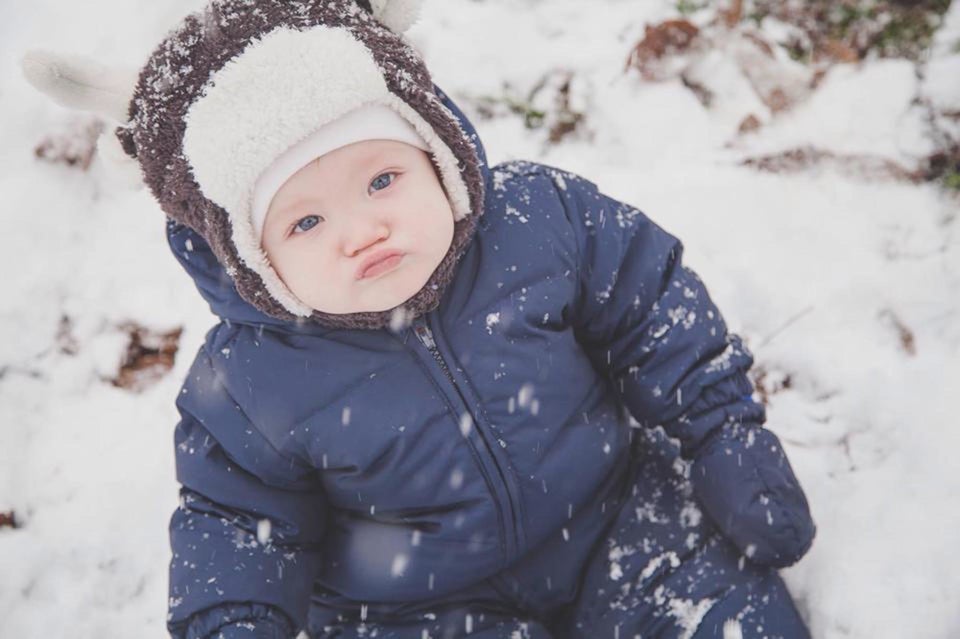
(331, 224)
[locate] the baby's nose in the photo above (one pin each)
(364, 233)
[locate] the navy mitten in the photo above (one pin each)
(746, 485)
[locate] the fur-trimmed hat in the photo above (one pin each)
(203, 123)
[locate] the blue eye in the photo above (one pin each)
(382, 181)
(299, 225)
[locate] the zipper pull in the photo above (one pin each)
(425, 335)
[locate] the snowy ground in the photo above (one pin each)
(847, 289)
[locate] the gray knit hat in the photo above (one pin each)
(234, 86)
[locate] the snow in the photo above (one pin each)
(264, 528)
(818, 272)
(399, 565)
(492, 320)
(456, 479)
(466, 424)
(732, 629)
(689, 614)
(856, 111)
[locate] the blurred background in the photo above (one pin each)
(807, 154)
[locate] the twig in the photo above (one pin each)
(785, 326)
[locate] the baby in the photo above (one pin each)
(444, 399)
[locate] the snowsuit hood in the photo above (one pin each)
(203, 124)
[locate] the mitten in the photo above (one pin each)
(745, 484)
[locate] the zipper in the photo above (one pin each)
(497, 478)
(426, 338)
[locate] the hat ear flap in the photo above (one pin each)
(398, 15)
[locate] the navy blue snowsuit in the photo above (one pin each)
(566, 447)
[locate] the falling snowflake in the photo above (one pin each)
(492, 320)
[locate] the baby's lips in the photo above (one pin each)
(375, 259)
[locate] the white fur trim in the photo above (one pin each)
(449, 167)
(272, 95)
(369, 122)
(81, 83)
(398, 15)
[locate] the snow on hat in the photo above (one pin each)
(233, 87)
(369, 122)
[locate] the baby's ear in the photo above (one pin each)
(399, 15)
(83, 84)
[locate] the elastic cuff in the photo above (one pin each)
(237, 621)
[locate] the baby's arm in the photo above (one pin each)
(647, 322)
(246, 537)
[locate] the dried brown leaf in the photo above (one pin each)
(704, 95)
(762, 45)
(749, 124)
(836, 51)
(149, 356)
(906, 336)
(9, 520)
(567, 120)
(803, 158)
(769, 383)
(732, 15)
(663, 40)
(75, 146)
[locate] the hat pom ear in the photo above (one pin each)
(398, 15)
(81, 83)
(86, 85)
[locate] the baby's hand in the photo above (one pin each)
(746, 485)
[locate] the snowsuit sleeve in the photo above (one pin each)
(648, 324)
(246, 537)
